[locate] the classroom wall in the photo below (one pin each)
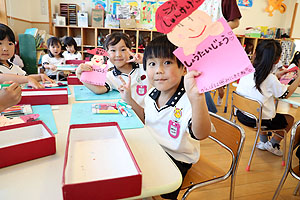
(27, 14)
(256, 16)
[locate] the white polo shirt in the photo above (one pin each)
(139, 82)
(271, 88)
(12, 69)
(72, 56)
(49, 60)
(170, 125)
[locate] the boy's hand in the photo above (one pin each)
(10, 96)
(136, 57)
(45, 78)
(34, 83)
(125, 89)
(85, 68)
(191, 85)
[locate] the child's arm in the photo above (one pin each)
(201, 124)
(10, 96)
(20, 79)
(50, 66)
(125, 91)
(42, 77)
(97, 89)
(294, 85)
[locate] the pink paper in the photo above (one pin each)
(95, 77)
(220, 58)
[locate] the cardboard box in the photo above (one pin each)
(83, 20)
(73, 80)
(98, 18)
(127, 23)
(23, 142)
(52, 96)
(99, 164)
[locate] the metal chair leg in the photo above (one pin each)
(252, 152)
(296, 189)
(226, 103)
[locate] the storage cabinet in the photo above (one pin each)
(93, 37)
(250, 43)
(70, 12)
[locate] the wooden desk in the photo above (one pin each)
(42, 178)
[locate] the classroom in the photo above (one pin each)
(149, 99)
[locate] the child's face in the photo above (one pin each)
(70, 49)
(55, 49)
(164, 73)
(7, 50)
(118, 54)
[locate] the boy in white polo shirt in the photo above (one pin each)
(174, 108)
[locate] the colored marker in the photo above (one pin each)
(127, 111)
(122, 111)
(4, 85)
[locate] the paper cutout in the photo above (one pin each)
(221, 59)
(169, 14)
(29, 118)
(193, 30)
(275, 5)
(291, 75)
(95, 77)
(98, 51)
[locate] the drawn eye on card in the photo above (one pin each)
(190, 29)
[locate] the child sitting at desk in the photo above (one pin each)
(71, 46)
(264, 86)
(174, 108)
(54, 58)
(7, 50)
(118, 47)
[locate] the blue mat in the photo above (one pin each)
(82, 114)
(46, 116)
(82, 93)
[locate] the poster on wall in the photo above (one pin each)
(100, 4)
(148, 9)
(245, 3)
(112, 6)
(135, 6)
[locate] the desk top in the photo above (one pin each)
(42, 178)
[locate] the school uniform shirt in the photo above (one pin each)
(11, 69)
(271, 88)
(139, 82)
(171, 125)
(221, 8)
(72, 56)
(50, 60)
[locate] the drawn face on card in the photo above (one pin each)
(192, 30)
(98, 61)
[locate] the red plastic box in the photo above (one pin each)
(73, 80)
(53, 96)
(99, 164)
(23, 142)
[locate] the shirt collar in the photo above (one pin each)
(117, 72)
(176, 96)
(10, 64)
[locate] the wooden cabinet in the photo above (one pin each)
(250, 43)
(93, 37)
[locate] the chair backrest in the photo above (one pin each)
(247, 105)
(75, 62)
(228, 134)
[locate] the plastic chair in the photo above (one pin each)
(294, 142)
(253, 108)
(231, 137)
